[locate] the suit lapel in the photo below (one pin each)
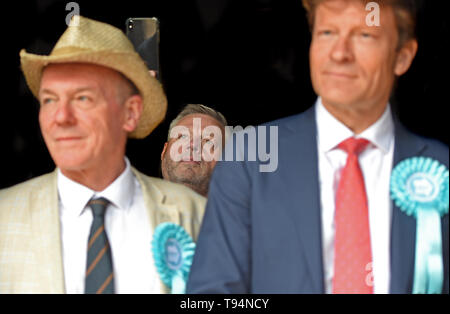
(158, 211)
(46, 236)
(301, 175)
(154, 200)
(403, 231)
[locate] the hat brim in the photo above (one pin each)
(129, 64)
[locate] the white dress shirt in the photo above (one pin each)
(376, 165)
(128, 228)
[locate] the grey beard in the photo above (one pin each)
(198, 183)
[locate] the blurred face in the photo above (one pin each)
(83, 120)
(353, 65)
(195, 174)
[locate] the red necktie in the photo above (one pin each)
(352, 249)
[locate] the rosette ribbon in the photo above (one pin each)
(420, 188)
(173, 252)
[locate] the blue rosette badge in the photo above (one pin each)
(420, 188)
(173, 252)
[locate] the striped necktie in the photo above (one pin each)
(99, 267)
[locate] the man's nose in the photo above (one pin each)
(195, 144)
(195, 148)
(342, 50)
(64, 114)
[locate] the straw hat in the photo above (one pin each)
(89, 41)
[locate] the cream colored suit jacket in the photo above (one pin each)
(30, 242)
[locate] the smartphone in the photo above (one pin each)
(143, 32)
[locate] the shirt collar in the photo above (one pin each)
(121, 191)
(331, 132)
(75, 196)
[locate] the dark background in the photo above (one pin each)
(245, 58)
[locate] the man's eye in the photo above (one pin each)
(46, 101)
(325, 32)
(83, 98)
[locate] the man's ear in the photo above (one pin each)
(405, 57)
(164, 150)
(133, 111)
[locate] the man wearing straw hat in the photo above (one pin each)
(88, 226)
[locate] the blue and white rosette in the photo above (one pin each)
(173, 251)
(420, 188)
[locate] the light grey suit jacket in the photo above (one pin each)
(30, 242)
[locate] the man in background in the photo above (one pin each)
(196, 121)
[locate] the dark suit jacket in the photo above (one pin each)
(261, 232)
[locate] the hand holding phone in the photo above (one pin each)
(144, 34)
